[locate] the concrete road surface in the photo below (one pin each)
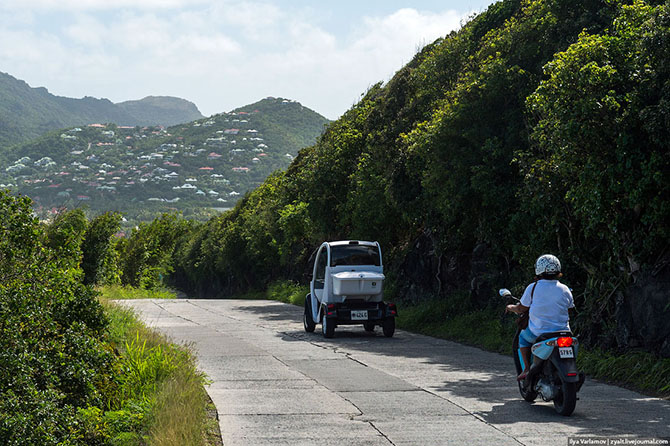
(274, 384)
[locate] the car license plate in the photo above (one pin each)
(566, 352)
(359, 315)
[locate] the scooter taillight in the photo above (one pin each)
(564, 342)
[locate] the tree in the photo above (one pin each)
(98, 262)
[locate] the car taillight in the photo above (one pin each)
(572, 374)
(564, 342)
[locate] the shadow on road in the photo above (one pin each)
(482, 382)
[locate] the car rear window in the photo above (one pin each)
(354, 255)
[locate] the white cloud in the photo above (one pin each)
(250, 16)
(92, 5)
(334, 72)
(220, 55)
(86, 31)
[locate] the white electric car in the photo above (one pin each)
(346, 289)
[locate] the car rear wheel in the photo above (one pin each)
(307, 320)
(328, 327)
(389, 327)
(369, 326)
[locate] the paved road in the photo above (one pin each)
(274, 384)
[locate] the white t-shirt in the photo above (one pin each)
(549, 309)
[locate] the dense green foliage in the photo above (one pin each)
(52, 356)
(98, 261)
(541, 126)
(73, 373)
(27, 113)
(147, 254)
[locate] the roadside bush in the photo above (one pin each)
(52, 359)
(148, 254)
(288, 292)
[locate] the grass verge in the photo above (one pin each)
(158, 397)
(440, 318)
(287, 292)
(637, 370)
(118, 292)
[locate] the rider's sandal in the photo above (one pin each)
(522, 376)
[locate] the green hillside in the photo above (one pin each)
(141, 171)
(541, 126)
(27, 113)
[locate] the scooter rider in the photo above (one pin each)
(547, 300)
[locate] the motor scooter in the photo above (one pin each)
(553, 373)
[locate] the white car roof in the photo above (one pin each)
(347, 242)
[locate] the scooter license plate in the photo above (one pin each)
(566, 352)
(359, 315)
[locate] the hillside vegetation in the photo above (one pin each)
(27, 113)
(540, 126)
(143, 171)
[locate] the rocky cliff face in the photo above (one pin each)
(643, 311)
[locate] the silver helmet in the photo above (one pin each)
(547, 264)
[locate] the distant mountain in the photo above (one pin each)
(141, 171)
(26, 112)
(163, 110)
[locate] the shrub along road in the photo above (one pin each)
(274, 384)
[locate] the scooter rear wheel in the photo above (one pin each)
(565, 401)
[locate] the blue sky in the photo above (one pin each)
(220, 54)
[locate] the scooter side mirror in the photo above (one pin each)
(504, 292)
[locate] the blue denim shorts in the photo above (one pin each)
(526, 338)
